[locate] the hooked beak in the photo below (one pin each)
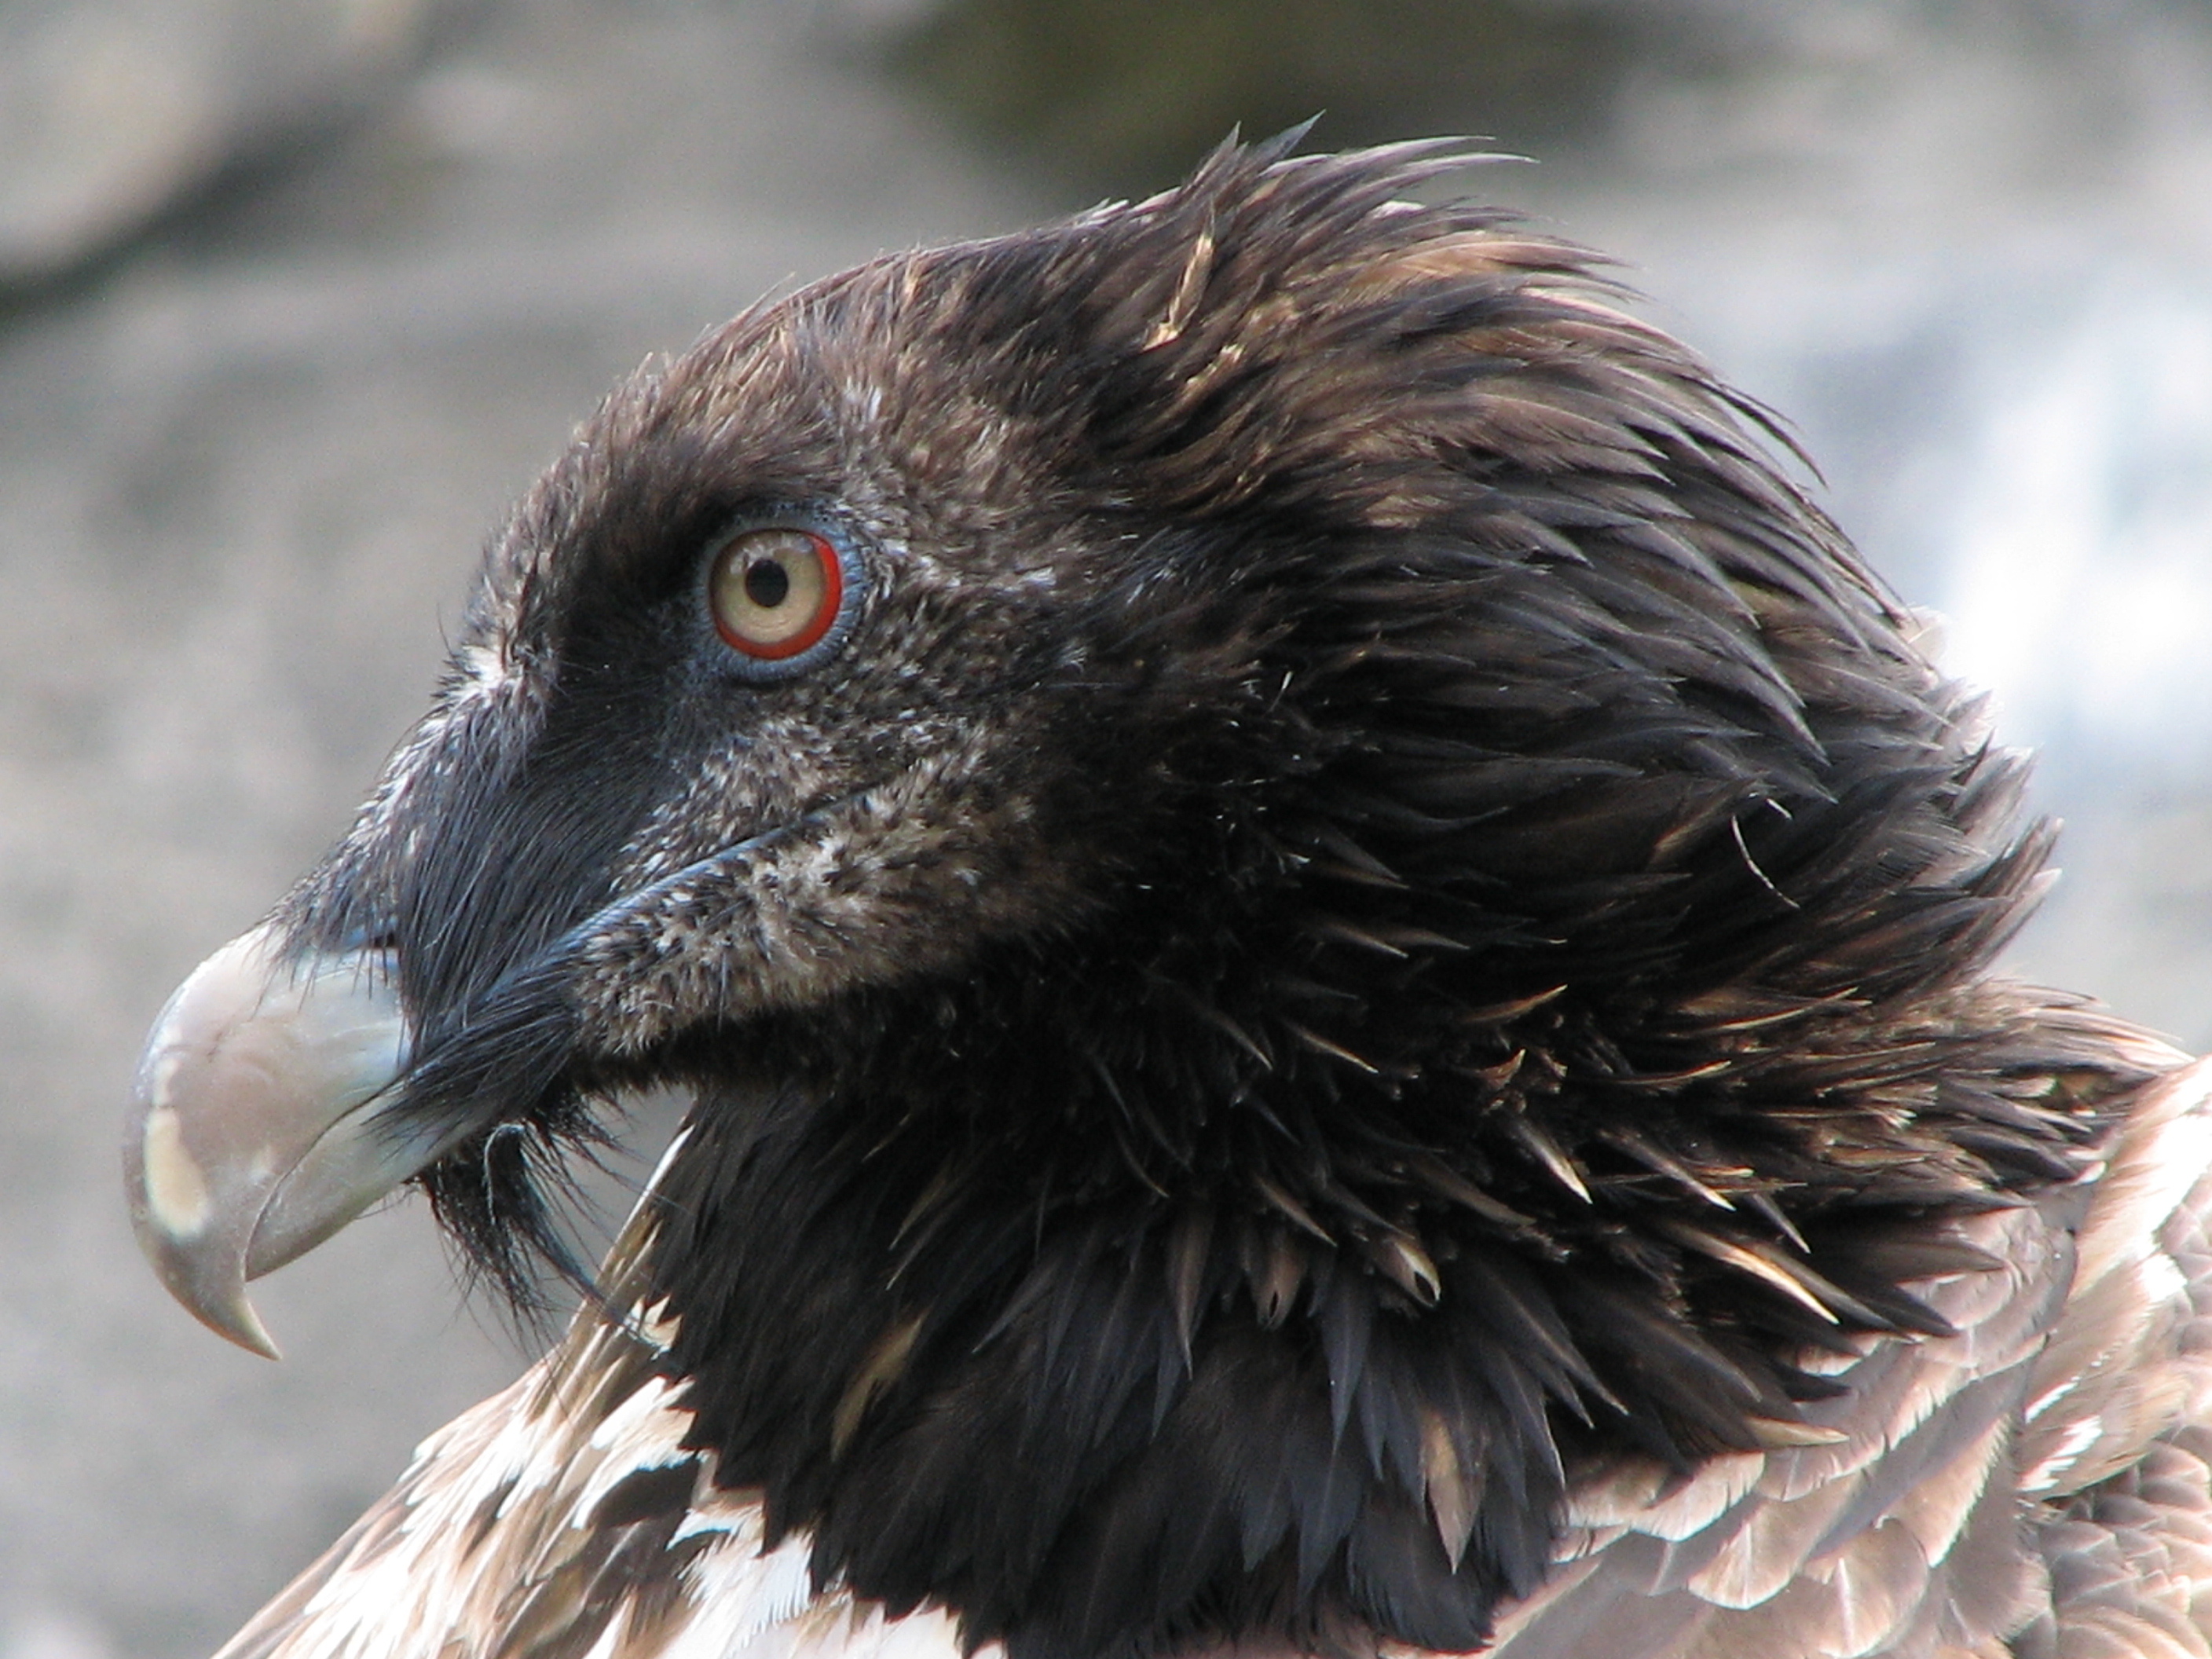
(255, 1133)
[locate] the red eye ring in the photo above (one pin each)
(775, 592)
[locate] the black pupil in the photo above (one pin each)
(768, 584)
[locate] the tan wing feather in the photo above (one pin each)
(2080, 1373)
(2119, 1439)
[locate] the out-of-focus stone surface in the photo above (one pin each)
(1124, 93)
(243, 472)
(113, 112)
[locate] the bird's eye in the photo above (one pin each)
(776, 594)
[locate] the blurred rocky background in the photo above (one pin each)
(295, 299)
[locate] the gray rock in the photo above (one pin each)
(111, 112)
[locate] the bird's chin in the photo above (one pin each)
(253, 1133)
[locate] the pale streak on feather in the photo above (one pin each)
(1936, 1509)
(1197, 267)
(1641, 1495)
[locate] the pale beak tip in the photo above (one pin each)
(211, 1283)
(235, 1319)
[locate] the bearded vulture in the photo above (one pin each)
(1333, 960)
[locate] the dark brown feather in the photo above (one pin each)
(1356, 1016)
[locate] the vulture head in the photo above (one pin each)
(1297, 890)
